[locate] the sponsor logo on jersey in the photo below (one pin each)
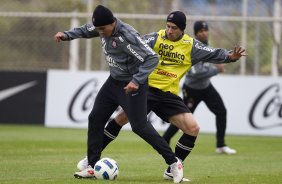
(112, 62)
(166, 64)
(135, 53)
(169, 57)
(109, 59)
(146, 45)
(168, 61)
(149, 40)
(168, 74)
(204, 48)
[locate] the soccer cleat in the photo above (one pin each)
(168, 176)
(86, 173)
(82, 164)
(226, 150)
(176, 170)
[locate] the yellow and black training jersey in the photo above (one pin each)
(174, 61)
(176, 58)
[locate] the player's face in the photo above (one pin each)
(106, 30)
(173, 32)
(203, 35)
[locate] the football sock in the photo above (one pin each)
(111, 131)
(184, 146)
(170, 132)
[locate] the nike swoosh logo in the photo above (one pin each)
(134, 94)
(167, 64)
(7, 93)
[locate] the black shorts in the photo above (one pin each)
(165, 104)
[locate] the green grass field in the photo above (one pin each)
(34, 154)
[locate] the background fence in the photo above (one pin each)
(27, 29)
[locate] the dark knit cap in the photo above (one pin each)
(178, 18)
(102, 16)
(198, 25)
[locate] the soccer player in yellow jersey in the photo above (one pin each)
(177, 53)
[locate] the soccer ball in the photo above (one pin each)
(106, 169)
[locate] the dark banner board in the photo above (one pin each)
(22, 97)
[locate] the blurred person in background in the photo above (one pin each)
(198, 87)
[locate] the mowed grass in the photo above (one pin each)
(34, 154)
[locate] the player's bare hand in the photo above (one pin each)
(130, 87)
(237, 53)
(59, 37)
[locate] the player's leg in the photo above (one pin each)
(111, 131)
(187, 123)
(187, 141)
(191, 98)
(113, 127)
(215, 103)
(172, 109)
(98, 117)
(103, 107)
(136, 110)
(170, 132)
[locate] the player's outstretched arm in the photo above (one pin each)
(237, 53)
(85, 31)
(59, 36)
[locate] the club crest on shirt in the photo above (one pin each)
(114, 44)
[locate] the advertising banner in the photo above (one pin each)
(253, 104)
(22, 97)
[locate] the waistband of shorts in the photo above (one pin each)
(158, 90)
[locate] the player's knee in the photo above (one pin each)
(221, 116)
(136, 129)
(222, 112)
(139, 127)
(121, 119)
(193, 129)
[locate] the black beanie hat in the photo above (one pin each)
(198, 25)
(178, 18)
(102, 16)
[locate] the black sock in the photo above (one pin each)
(170, 132)
(184, 146)
(111, 131)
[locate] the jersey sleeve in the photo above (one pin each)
(85, 31)
(202, 70)
(150, 39)
(202, 52)
(142, 52)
